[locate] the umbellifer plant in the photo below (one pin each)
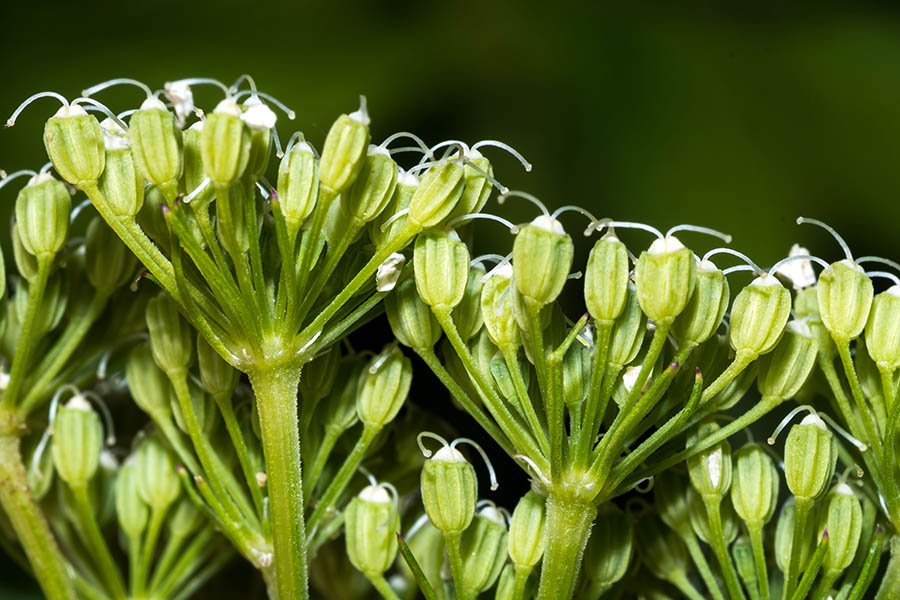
(267, 281)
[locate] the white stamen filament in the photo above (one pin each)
(630, 225)
(420, 145)
(291, 115)
(114, 82)
(698, 229)
(831, 230)
(428, 434)
(487, 461)
(15, 175)
(517, 194)
(468, 217)
(102, 107)
(504, 146)
(12, 119)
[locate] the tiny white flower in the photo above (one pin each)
(389, 272)
(799, 272)
(182, 98)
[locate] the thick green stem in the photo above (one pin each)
(30, 526)
(801, 513)
(381, 585)
(276, 401)
(568, 524)
(456, 564)
(720, 548)
(759, 559)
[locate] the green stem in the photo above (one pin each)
(568, 526)
(890, 581)
(741, 361)
(537, 429)
(381, 586)
(148, 552)
(870, 567)
(801, 512)
(322, 453)
(452, 541)
(164, 565)
(240, 447)
(594, 404)
(93, 537)
(699, 560)
(521, 582)
(857, 393)
(685, 586)
(759, 558)
(812, 570)
(27, 520)
(276, 401)
(720, 548)
(824, 588)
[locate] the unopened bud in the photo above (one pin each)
(441, 264)
(74, 142)
(371, 522)
(665, 276)
(157, 146)
(344, 151)
(42, 215)
(383, 389)
(77, 441)
(542, 257)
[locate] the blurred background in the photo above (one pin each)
(739, 116)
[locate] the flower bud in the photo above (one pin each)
(664, 276)
(157, 146)
(225, 144)
(806, 303)
(664, 554)
(108, 262)
(42, 215)
(810, 454)
(345, 150)
(371, 522)
(497, 309)
(260, 119)
(845, 297)
(606, 279)
(758, 316)
(506, 585)
(151, 218)
(441, 264)
(576, 375)
(842, 518)
(670, 493)
(438, 193)
(527, 531)
(610, 547)
(387, 225)
(39, 470)
(218, 377)
(171, 338)
(754, 489)
(449, 489)
(319, 375)
(298, 186)
(53, 304)
(231, 226)
(413, 323)
(784, 538)
(26, 263)
(77, 441)
(503, 378)
(203, 406)
(158, 482)
(699, 517)
(121, 183)
(148, 384)
(786, 369)
(340, 412)
(742, 554)
(483, 547)
(383, 388)
(628, 332)
(193, 171)
(706, 307)
(186, 519)
(74, 143)
(710, 469)
(467, 314)
(374, 186)
(883, 329)
(542, 257)
(477, 188)
(131, 510)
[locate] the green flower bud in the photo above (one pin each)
(706, 307)
(467, 314)
(449, 489)
(609, 548)
(26, 263)
(42, 215)
(427, 545)
(438, 193)
(842, 518)
(506, 585)
(203, 406)
(527, 531)
(218, 377)
(186, 519)
(810, 454)
(664, 276)
(441, 264)
(670, 494)
(121, 183)
(806, 303)
(542, 257)
(151, 218)
(231, 226)
(628, 332)
(77, 441)
(319, 375)
(606, 279)
(483, 547)
(391, 221)
(108, 262)
(477, 188)
(786, 369)
(497, 309)
(371, 522)
(754, 489)
(383, 388)
(157, 146)
(131, 510)
(158, 482)
(298, 186)
(758, 316)
(225, 144)
(576, 375)
(664, 554)
(413, 323)
(503, 378)
(784, 538)
(39, 470)
(340, 412)
(149, 385)
(53, 304)
(171, 338)
(345, 150)
(742, 554)
(710, 470)
(193, 171)
(74, 143)
(845, 297)
(374, 186)
(260, 119)
(883, 329)
(699, 517)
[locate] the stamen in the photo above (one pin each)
(575, 275)
(203, 185)
(843, 432)
(381, 358)
(740, 255)
(205, 81)
(530, 463)
(278, 151)
(240, 80)
(878, 259)
(479, 259)
(829, 229)
(15, 175)
(787, 419)
(428, 434)
(107, 415)
(468, 217)
(464, 148)
(426, 152)
(78, 208)
(737, 268)
(517, 194)
(630, 225)
(698, 229)
(397, 215)
(291, 115)
(395, 503)
(423, 166)
(45, 438)
(118, 81)
(500, 187)
(487, 461)
(12, 119)
(578, 209)
(102, 108)
(644, 485)
(884, 275)
(499, 265)
(786, 260)
(504, 146)
(416, 526)
(46, 168)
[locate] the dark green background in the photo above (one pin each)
(738, 116)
